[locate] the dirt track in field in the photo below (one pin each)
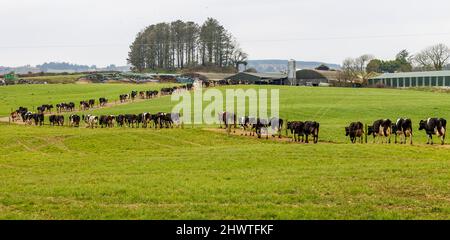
(240, 132)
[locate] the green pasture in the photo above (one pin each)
(32, 96)
(193, 173)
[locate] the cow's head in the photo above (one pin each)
(422, 124)
(347, 131)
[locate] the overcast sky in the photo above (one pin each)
(100, 31)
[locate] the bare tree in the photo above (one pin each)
(355, 69)
(433, 58)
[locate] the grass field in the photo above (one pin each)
(193, 173)
(14, 96)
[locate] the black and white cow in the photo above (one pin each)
(38, 119)
(311, 128)
(84, 105)
(103, 101)
(434, 126)
(150, 94)
(90, 120)
(133, 95)
(56, 120)
(120, 120)
(91, 103)
(124, 97)
(355, 130)
(403, 128)
(131, 120)
(276, 124)
(74, 120)
(45, 108)
(246, 124)
(175, 118)
(296, 128)
(261, 127)
(227, 118)
(382, 129)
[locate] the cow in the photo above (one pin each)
(102, 121)
(382, 129)
(120, 120)
(60, 107)
(163, 120)
(103, 101)
(276, 124)
(355, 130)
(227, 119)
(90, 120)
(246, 123)
(14, 116)
(38, 119)
(142, 94)
(434, 126)
(150, 94)
(296, 128)
(166, 91)
(106, 121)
(74, 120)
(133, 95)
(131, 120)
(145, 119)
(175, 118)
(84, 105)
(311, 128)
(56, 120)
(124, 97)
(261, 126)
(403, 128)
(27, 117)
(91, 103)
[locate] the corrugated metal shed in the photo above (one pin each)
(412, 79)
(414, 74)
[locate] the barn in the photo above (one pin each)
(258, 78)
(412, 79)
(312, 77)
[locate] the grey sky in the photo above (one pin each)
(100, 31)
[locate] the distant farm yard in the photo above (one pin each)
(195, 173)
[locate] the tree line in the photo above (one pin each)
(180, 45)
(433, 58)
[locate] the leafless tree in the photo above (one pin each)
(433, 58)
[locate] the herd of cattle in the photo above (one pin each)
(158, 120)
(383, 129)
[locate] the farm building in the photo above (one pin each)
(258, 78)
(412, 79)
(311, 77)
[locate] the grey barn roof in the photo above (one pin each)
(268, 75)
(413, 74)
